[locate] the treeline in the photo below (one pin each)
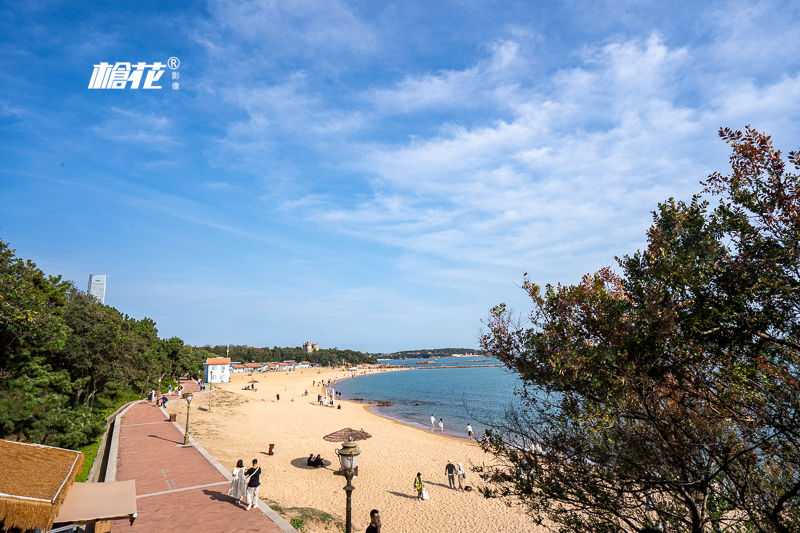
(437, 352)
(66, 359)
(325, 357)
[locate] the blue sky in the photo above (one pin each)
(368, 175)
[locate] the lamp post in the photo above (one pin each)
(348, 458)
(188, 397)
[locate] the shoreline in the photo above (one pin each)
(375, 406)
(234, 424)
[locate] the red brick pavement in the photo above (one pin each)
(177, 488)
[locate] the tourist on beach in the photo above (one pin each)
(163, 401)
(374, 522)
(433, 422)
(253, 483)
(310, 461)
(469, 432)
(419, 486)
(461, 474)
(441, 425)
(318, 462)
(237, 483)
(278, 396)
(450, 470)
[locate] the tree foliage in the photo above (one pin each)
(326, 357)
(65, 358)
(666, 398)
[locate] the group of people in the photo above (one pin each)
(453, 473)
(316, 462)
(470, 433)
(245, 484)
(160, 402)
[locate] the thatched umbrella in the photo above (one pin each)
(343, 434)
(34, 481)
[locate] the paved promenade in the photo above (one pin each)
(177, 488)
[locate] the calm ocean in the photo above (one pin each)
(441, 392)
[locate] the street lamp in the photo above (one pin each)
(348, 458)
(188, 397)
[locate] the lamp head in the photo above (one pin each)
(348, 455)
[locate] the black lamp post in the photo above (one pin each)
(188, 397)
(348, 458)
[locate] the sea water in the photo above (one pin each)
(471, 393)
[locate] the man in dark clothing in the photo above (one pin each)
(374, 522)
(450, 470)
(252, 475)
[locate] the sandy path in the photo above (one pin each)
(242, 424)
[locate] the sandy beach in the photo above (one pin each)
(241, 424)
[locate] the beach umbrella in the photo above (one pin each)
(343, 434)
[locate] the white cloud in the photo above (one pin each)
(306, 27)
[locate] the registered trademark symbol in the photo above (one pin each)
(174, 63)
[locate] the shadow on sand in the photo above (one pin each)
(301, 462)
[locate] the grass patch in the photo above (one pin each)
(306, 516)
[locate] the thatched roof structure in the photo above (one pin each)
(34, 481)
(343, 434)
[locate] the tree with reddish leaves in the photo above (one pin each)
(667, 397)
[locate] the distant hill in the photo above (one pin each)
(436, 352)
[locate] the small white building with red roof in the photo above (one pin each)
(218, 369)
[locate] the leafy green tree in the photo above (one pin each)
(667, 398)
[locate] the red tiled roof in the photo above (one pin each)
(218, 361)
(237, 366)
(253, 365)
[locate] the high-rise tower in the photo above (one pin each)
(97, 287)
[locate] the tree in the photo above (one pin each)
(667, 398)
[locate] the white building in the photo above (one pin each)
(97, 287)
(218, 370)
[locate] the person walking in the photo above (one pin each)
(470, 434)
(433, 422)
(461, 474)
(419, 486)
(253, 482)
(237, 483)
(441, 425)
(374, 522)
(450, 471)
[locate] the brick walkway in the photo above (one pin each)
(177, 488)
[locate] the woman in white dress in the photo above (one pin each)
(237, 485)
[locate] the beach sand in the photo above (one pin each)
(242, 424)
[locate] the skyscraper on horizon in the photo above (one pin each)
(97, 287)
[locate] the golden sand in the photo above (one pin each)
(242, 424)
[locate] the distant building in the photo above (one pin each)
(97, 287)
(310, 347)
(218, 370)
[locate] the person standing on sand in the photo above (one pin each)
(469, 432)
(253, 482)
(450, 470)
(418, 486)
(441, 425)
(461, 474)
(433, 422)
(374, 522)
